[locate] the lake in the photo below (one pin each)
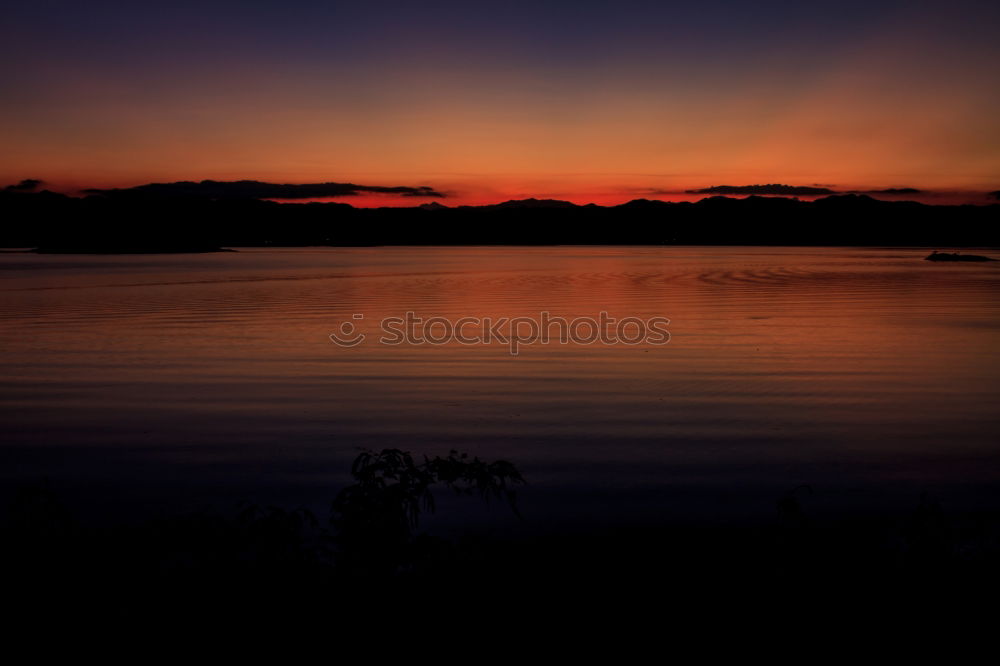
(136, 384)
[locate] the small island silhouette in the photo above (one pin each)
(955, 256)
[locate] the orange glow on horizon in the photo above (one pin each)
(876, 116)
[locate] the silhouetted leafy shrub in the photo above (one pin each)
(375, 517)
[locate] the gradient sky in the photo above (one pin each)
(590, 101)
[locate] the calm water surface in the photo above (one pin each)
(205, 379)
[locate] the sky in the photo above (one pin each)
(485, 101)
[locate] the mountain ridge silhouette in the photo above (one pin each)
(148, 222)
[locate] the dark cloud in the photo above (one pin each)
(652, 191)
(995, 195)
(26, 185)
(254, 189)
(772, 188)
(894, 190)
(423, 192)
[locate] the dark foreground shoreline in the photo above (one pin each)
(266, 555)
(273, 565)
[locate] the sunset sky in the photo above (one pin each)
(581, 100)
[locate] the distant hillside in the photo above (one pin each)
(107, 221)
